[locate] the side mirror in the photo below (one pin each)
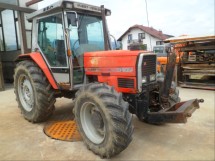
(72, 19)
(115, 44)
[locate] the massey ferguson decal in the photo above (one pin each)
(124, 70)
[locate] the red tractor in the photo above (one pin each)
(72, 57)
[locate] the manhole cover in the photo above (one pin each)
(63, 130)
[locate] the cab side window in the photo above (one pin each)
(51, 40)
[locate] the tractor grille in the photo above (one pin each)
(149, 66)
(125, 83)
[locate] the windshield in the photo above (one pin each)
(88, 36)
(159, 51)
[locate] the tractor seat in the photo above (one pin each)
(60, 52)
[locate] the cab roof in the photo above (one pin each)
(67, 5)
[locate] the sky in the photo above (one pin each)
(173, 17)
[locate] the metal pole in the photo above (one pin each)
(169, 75)
(69, 51)
(15, 20)
(3, 38)
(106, 37)
(148, 23)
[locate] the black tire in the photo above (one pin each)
(115, 119)
(37, 106)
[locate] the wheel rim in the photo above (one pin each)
(25, 92)
(92, 122)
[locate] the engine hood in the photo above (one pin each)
(114, 53)
(112, 58)
(114, 62)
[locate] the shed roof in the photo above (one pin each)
(186, 38)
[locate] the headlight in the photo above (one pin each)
(144, 79)
(152, 77)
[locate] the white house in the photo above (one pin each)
(142, 37)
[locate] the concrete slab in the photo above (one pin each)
(21, 140)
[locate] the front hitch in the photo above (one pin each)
(178, 113)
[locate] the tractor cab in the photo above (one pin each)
(63, 32)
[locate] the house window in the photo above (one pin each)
(129, 38)
(141, 36)
(159, 42)
(145, 47)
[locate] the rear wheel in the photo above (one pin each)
(34, 94)
(103, 119)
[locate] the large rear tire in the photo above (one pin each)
(103, 119)
(34, 94)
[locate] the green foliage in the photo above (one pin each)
(143, 47)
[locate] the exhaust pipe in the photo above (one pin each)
(171, 61)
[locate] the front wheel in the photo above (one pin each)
(103, 119)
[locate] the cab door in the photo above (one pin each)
(51, 42)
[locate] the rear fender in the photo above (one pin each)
(38, 59)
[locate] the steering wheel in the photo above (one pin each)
(73, 47)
